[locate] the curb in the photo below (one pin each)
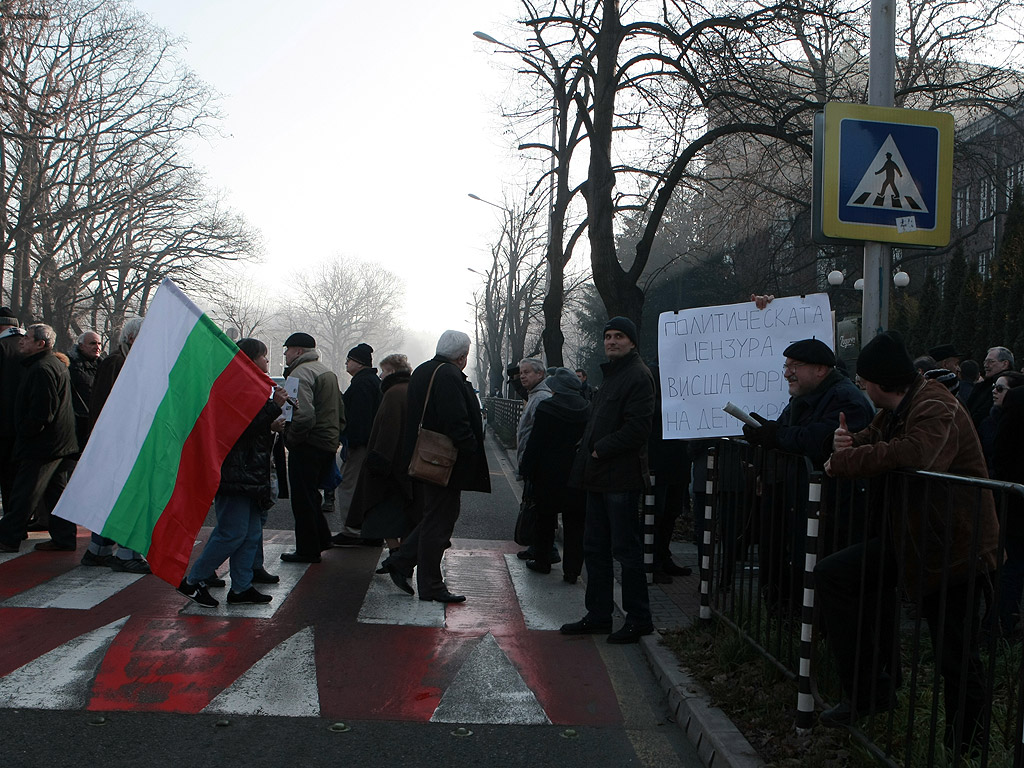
(717, 739)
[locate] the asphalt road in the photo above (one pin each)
(400, 672)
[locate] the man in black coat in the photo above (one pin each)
(11, 374)
(997, 361)
(611, 467)
(44, 430)
(452, 410)
(85, 360)
(548, 456)
(818, 395)
(362, 400)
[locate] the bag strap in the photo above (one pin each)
(427, 398)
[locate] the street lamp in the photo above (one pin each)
(901, 279)
(835, 277)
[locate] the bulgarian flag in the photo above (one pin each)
(151, 467)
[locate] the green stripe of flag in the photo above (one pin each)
(204, 356)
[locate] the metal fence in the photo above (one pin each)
(878, 592)
(503, 418)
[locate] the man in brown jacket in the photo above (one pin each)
(951, 536)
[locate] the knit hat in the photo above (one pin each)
(564, 382)
(303, 340)
(362, 354)
(944, 377)
(7, 317)
(884, 360)
(623, 324)
(811, 351)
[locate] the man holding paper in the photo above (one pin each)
(818, 394)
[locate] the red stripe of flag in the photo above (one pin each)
(236, 397)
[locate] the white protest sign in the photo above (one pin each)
(711, 356)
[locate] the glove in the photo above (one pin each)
(766, 435)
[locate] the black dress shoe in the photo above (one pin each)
(398, 578)
(587, 626)
(538, 567)
(569, 578)
(444, 597)
(676, 570)
(630, 633)
(295, 557)
(526, 554)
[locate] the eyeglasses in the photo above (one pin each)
(999, 388)
(790, 367)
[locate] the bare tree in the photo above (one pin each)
(513, 292)
(343, 302)
(672, 83)
(97, 203)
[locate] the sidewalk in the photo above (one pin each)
(676, 606)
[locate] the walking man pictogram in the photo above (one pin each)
(890, 169)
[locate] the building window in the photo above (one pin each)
(986, 199)
(961, 205)
(985, 263)
(1014, 179)
(939, 273)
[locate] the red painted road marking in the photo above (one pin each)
(164, 661)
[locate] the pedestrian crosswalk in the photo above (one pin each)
(131, 642)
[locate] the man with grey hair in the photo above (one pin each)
(997, 361)
(101, 549)
(531, 375)
(453, 410)
(85, 361)
(44, 434)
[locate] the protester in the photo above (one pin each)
(979, 404)
(921, 426)
(818, 394)
(585, 391)
(611, 467)
(669, 462)
(532, 376)
(546, 463)
(383, 495)
(970, 375)
(312, 438)
(1008, 464)
(452, 410)
(101, 550)
(242, 498)
(987, 430)
(362, 399)
(11, 374)
(44, 435)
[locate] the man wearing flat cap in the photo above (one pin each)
(611, 466)
(312, 438)
(946, 356)
(362, 399)
(938, 543)
(818, 393)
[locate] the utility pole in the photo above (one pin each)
(881, 93)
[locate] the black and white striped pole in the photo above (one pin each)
(705, 558)
(649, 532)
(805, 699)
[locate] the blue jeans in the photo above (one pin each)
(612, 530)
(236, 537)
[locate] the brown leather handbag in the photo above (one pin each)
(434, 454)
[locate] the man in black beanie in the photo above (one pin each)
(611, 466)
(938, 544)
(818, 394)
(362, 399)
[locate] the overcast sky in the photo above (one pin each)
(359, 129)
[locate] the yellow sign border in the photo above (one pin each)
(832, 226)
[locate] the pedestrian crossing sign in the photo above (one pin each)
(886, 174)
